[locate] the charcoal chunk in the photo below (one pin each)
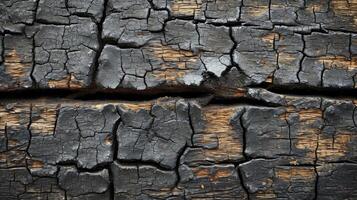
(272, 179)
(337, 181)
(273, 133)
(82, 136)
(84, 184)
(64, 55)
(154, 134)
(143, 182)
(15, 15)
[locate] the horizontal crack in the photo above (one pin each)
(181, 92)
(295, 90)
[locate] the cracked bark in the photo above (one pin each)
(172, 99)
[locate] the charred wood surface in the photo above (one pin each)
(178, 99)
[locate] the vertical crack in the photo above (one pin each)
(240, 11)
(240, 175)
(191, 123)
(111, 184)
(198, 34)
(182, 151)
(35, 11)
(115, 147)
(234, 47)
(302, 59)
(101, 44)
(269, 7)
(322, 74)
(180, 154)
(231, 53)
(244, 131)
(246, 157)
(30, 137)
(34, 84)
(277, 56)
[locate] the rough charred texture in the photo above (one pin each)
(276, 179)
(218, 136)
(292, 147)
(17, 183)
(144, 182)
(84, 185)
(14, 135)
(211, 182)
(18, 58)
(331, 179)
(154, 132)
(78, 135)
(178, 99)
(155, 44)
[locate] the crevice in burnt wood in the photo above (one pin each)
(183, 92)
(100, 42)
